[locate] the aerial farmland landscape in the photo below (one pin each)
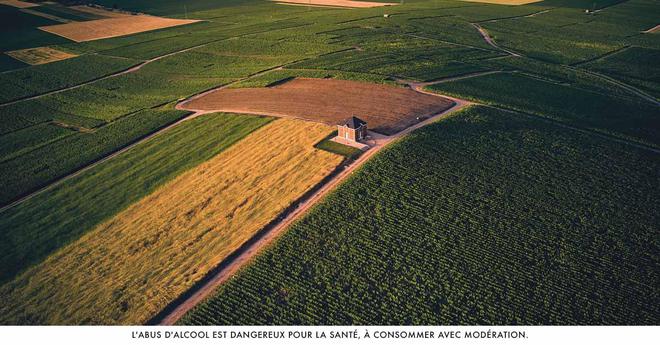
(330, 162)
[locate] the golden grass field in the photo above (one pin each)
(120, 25)
(336, 3)
(17, 3)
(130, 267)
(39, 55)
(505, 2)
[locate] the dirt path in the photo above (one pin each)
(652, 30)
(490, 41)
(418, 86)
(230, 266)
(622, 85)
(529, 15)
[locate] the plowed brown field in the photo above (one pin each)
(387, 109)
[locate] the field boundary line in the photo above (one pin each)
(600, 57)
(528, 15)
(622, 85)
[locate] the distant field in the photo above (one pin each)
(129, 268)
(387, 109)
(35, 80)
(337, 3)
(483, 218)
(112, 27)
(635, 120)
(18, 30)
(40, 55)
(505, 2)
(18, 3)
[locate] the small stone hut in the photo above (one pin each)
(352, 129)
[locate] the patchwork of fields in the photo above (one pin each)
(108, 212)
(126, 269)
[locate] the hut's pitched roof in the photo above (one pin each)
(353, 122)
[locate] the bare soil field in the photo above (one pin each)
(130, 267)
(39, 55)
(336, 3)
(505, 2)
(17, 3)
(112, 27)
(387, 109)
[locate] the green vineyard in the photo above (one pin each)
(483, 218)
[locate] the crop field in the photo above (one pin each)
(540, 190)
(637, 66)
(18, 142)
(42, 164)
(36, 80)
(18, 30)
(41, 55)
(112, 27)
(632, 120)
(188, 215)
(387, 109)
(518, 233)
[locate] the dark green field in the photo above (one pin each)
(539, 208)
(484, 218)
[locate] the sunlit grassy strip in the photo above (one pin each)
(130, 267)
